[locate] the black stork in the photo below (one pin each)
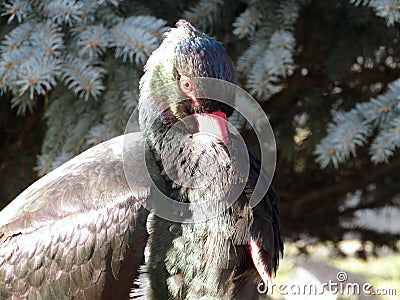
(80, 232)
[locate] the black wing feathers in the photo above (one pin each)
(266, 225)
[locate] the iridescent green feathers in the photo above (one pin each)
(185, 50)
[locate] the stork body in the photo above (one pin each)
(80, 231)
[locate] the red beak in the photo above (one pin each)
(213, 124)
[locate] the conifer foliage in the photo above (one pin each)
(356, 126)
(84, 58)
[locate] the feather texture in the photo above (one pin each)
(79, 232)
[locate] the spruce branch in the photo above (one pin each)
(135, 38)
(260, 80)
(79, 125)
(356, 125)
(348, 131)
(388, 9)
(64, 11)
(251, 56)
(283, 39)
(272, 44)
(273, 63)
(204, 13)
(8, 70)
(99, 133)
(47, 40)
(288, 12)
(278, 62)
(68, 121)
(55, 116)
(59, 160)
(22, 104)
(27, 60)
(43, 164)
(108, 16)
(93, 41)
(82, 77)
(385, 143)
(129, 82)
(89, 9)
(18, 40)
(384, 107)
(46, 163)
(18, 9)
(120, 98)
(246, 23)
(38, 74)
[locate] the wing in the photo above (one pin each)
(266, 228)
(79, 232)
(261, 257)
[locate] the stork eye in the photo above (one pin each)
(186, 84)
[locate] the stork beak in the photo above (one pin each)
(213, 124)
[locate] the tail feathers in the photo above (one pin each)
(260, 262)
(266, 228)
